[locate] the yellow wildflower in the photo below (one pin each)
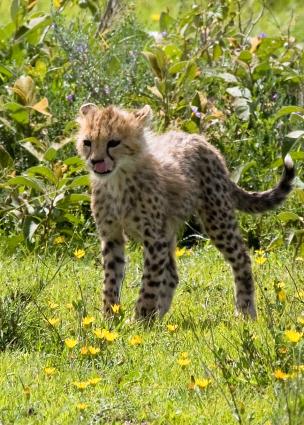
(202, 383)
(300, 320)
(115, 308)
(93, 350)
(70, 342)
(81, 385)
(57, 3)
(59, 240)
(79, 253)
(172, 328)
(98, 333)
(136, 340)
(281, 296)
(301, 295)
(293, 336)
(94, 381)
(280, 375)
(155, 17)
(27, 391)
(105, 334)
(88, 320)
(260, 260)
(110, 336)
(53, 321)
(53, 305)
(81, 406)
(179, 252)
(299, 368)
(84, 350)
(49, 371)
(183, 362)
(69, 306)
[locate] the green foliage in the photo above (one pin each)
(212, 74)
(206, 71)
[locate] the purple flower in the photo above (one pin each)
(70, 97)
(164, 33)
(274, 96)
(262, 35)
(195, 111)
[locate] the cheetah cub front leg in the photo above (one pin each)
(159, 278)
(113, 261)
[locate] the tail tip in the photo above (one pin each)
(288, 162)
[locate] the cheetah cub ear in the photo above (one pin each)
(143, 116)
(86, 108)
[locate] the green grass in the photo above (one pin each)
(144, 384)
(278, 16)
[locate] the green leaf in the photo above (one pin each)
(80, 181)
(29, 228)
(7, 124)
(28, 145)
(188, 75)
(217, 52)
(44, 171)
(172, 51)
(295, 134)
(17, 112)
(5, 159)
(287, 110)
(287, 216)
(165, 21)
(73, 218)
(74, 198)
(298, 156)
(226, 76)
(34, 28)
(152, 59)
(190, 126)
(155, 91)
(239, 92)
(14, 10)
(73, 160)
(178, 67)
(238, 172)
(242, 108)
(245, 56)
(26, 182)
(275, 243)
(5, 71)
(50, 154)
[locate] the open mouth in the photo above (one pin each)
(101, 167)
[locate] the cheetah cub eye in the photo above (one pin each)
(113, 143)
(87, 143)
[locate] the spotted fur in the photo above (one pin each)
(144, 186)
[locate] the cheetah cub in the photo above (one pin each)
(145, 185)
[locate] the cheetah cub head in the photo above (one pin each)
(111, 139)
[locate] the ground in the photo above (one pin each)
(201, 365)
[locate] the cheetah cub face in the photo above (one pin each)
(110, 139)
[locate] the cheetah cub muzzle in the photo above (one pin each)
(145, 185)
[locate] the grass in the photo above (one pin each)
(210, 368)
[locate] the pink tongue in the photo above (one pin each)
(101, 167)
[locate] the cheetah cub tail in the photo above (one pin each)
(256, 202)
